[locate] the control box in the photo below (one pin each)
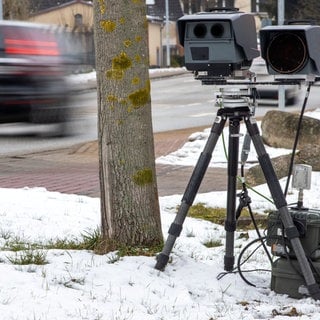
(308, 225)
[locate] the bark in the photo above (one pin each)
(129, 200)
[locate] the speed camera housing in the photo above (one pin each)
(291, 49)
(218, 42)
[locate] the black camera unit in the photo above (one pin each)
(291, 49)
(218, 42)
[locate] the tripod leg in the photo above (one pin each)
(281, 204)
(191, 191)
(230, 222)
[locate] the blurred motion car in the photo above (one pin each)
(32, 82)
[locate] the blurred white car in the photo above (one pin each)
(269, 94)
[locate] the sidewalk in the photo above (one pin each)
(75, 170)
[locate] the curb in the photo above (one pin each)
(154, 74)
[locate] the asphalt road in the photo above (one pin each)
(178, 102)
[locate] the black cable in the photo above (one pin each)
(239, 263)
(313, 267)
(245, 202)
(297, 138)
(259, 234)
(244, 188)
(313, 251)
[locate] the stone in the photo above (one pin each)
(309, 155)
(279, 130)
(255, 176)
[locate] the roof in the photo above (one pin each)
(48, 5)
(158, 9)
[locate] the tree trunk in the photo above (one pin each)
(129, 199)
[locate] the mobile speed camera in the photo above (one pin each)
(219, 42)
(291, 49)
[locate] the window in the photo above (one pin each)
(78, 20)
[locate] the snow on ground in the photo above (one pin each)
(82, 285)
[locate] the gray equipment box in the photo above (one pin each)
(287, 279)
(308, 224)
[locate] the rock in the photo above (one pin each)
(309, 154)
(279, 130)
(255, 176)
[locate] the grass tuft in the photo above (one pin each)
(29, 257)
(91, 240)
(214, 215)
(212, 243)
(139, 250)
(218, 216)
(30, 253)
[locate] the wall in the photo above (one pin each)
(64, 16)
(155, 55)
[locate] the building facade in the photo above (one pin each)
(76, 17)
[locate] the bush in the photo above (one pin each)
(177, 61)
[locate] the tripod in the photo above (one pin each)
(236, 115)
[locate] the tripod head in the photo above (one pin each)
(234, 97)
(210, 79)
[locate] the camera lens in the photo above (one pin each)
(217, 30)
(287, 53)
(200, 30)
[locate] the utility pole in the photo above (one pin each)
(167, 34)
(281, 89)
(281, 6)
(1, 10)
